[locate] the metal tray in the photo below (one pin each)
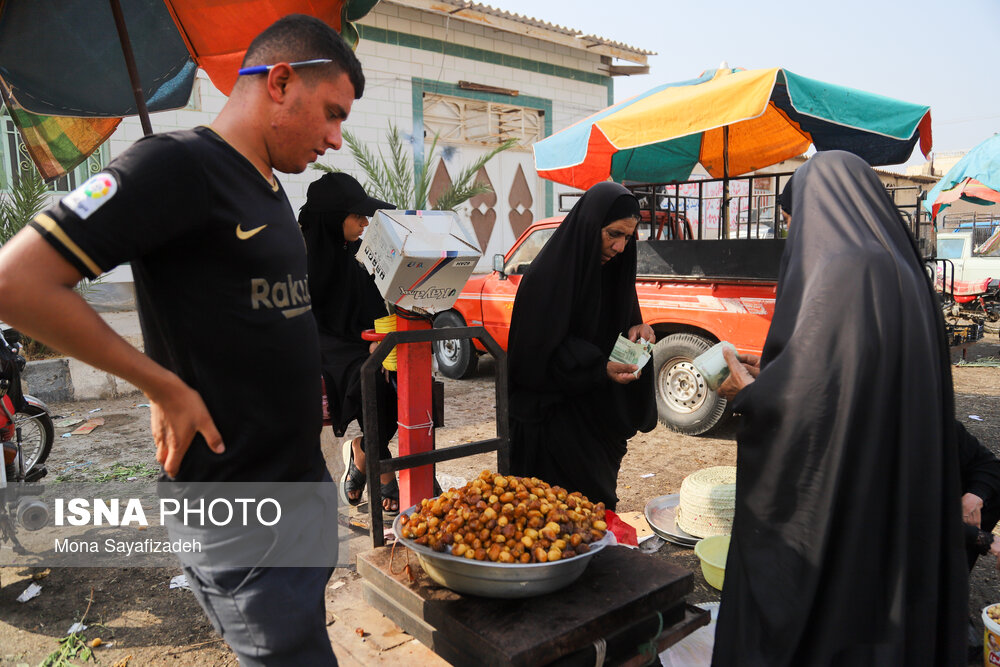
(661, 516)
(498, 580)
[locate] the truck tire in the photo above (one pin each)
(457, 358)
(683, 400)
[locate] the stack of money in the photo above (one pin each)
(627, 352)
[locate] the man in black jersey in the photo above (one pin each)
(232, 371)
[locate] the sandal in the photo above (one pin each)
(390, 491)
(353, 480)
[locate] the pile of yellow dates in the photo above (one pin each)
(507, 520)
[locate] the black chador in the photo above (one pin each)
(847, 541)
(569, 420)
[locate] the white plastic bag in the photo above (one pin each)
(695, 650)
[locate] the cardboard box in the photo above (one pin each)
(420, 259)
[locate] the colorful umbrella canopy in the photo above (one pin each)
(731, 121)
(70, 70)
(65, 59)
(975, 178)
(217, 34)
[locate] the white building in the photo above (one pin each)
(470, 73)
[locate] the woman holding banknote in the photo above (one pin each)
(847, 544)
(572, 409)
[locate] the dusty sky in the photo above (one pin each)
(942, 54)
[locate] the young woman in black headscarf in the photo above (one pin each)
(847, 539)
(346, 302)
(572, 410)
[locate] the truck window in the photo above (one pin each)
(950, 248)
(527, 251)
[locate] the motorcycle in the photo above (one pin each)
(26, 436)
(977, 301)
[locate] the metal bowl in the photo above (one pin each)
(661, 515)
(498, 580)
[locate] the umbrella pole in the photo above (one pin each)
(133, 73)
(725, 182)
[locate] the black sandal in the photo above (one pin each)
(353, 479)
(390, 491)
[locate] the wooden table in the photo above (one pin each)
(624, 598)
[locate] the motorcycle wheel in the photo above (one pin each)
(37, 435)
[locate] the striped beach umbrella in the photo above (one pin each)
(731, 121)
(69, 70)
(975, 178)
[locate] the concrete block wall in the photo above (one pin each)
(67, 379)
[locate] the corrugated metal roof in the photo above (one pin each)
(478, 13)
(521, 18)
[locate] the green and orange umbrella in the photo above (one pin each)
(732, 122)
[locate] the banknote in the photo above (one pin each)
(627, 352)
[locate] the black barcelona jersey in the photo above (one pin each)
(220, 274)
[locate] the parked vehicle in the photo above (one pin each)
(692, 295)
(967, 278)
(698, 283)
(26, 435)
(20, 506)
(24, 419)
(987, 227)
(972, 262)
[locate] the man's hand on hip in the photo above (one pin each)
(175, 418)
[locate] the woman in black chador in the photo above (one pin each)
(572, 410)
(847, 541)
(346, 302)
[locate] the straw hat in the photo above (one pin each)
(707, 502)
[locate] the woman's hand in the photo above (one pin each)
(972, 506)
(623, 373)
(743, 370)
(372, 346)
(995, 549)
(642, 331)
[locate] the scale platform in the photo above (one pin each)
(620, 598)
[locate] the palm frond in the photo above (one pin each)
(24, 202)
(399, 170)
(452, 197)
(422, 177)
(396, 179)
(373, 167)
(468, 174)
(464, 187)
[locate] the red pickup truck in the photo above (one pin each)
(694, 293)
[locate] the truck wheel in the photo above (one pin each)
(457, 358)
(683, 400)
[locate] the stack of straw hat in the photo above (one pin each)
(707, 502)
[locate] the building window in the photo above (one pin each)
(15, 161)
(461, 120)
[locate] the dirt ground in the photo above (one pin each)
(143, 622)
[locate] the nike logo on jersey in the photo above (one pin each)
(244, 235)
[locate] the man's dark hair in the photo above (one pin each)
(298, 37)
